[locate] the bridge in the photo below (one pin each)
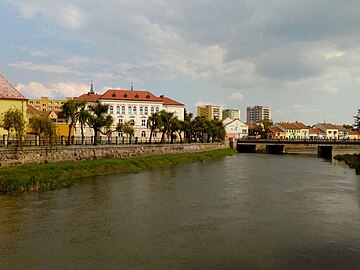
(277, 146)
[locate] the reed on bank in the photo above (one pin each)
(352, 160)
(44, 177)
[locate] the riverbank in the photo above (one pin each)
(44, 177)
(352, 160)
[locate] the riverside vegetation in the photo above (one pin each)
(352, 160)
(44, 177)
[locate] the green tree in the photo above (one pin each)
(175, 127)
(83, 118)
(165, 128)
(14, 123)
(154, 123)
(199, 127)
(71, 110)
(357, 121)
(187, 127)
(43, 127)
(127, 128)
(98, 119)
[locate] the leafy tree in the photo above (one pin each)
(126, 127)
(43, 127)
(199, 127)
(99, 118)
(187, 126)
(175, 127)
(71, 111)
(154, 123)
(14, 123)
(83, 117)
(357, 121)
(165, 127)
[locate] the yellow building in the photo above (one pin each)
(58, 118)
(210, 112)
(10, 98)
(45, 104)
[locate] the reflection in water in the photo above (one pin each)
(244, 212)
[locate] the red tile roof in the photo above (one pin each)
(328, 125)
(316, 131)
(300, 125)
(169, 101)
(138, 95)
(275, 129)
(8, 91)
(288, 125)
(89, 97)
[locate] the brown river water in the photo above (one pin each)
(248, 211)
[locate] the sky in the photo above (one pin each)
(299, 57)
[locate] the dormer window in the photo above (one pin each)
(136, 96)
(125, 95)
(113, 95)
(148, 96)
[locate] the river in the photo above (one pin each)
(248, 211)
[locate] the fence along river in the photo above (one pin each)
(248, 211)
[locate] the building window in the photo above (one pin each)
(145, 110)
(111, 109)
(56, 107)
(37, 102)
(56, 102)
(117, 109)
(157, 109)
(120, 134)
(121, 120)
(122, 109)
(50, 102)
(129, 110)
(154, 134)
(152, 110)
(31, 102)
(143, 122)
(132, 122)
(50, 107)
(143, 134)
(141, 109)
(44, 105)
(134, 110)
(38, 107)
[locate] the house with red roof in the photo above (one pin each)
(10, 98)
(133, 106)
(331, 131)
(295, 130)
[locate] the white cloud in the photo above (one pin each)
(54, 90)
(236, 96)
(60, 69)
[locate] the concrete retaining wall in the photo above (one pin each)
(14, 157)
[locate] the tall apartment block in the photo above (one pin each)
(231, 113)
(46, 104)
(210, 112)
(258, 113)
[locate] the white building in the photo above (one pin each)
(235, 129)
(132, 106)
(257, 114)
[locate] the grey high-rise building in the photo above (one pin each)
(257, 114)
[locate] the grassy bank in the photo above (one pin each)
(45, 177)
(352, 160)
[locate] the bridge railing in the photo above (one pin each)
(305, 141)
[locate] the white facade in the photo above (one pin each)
(235, 128)
(257, 114)
(133, 106)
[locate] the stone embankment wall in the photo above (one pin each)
(31, 155)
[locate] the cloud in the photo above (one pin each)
(54, 90)
(236, 96)
(60, 69)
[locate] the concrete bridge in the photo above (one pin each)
(277, 146)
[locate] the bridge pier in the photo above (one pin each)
(246, 148)
(325, 151)
(275, 148)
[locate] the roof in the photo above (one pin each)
(288, 125)
(8, 91)
(275, 129)
(137, 95)
(169, 101)
(89, 97)
(328, 126)
(316, 131)
(300, 125)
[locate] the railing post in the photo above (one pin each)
(5, 140)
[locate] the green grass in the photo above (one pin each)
(352, 160)
(46, 177)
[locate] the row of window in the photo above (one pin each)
(143, 110)
(44, 104)
(143, 134)
(132, 121)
